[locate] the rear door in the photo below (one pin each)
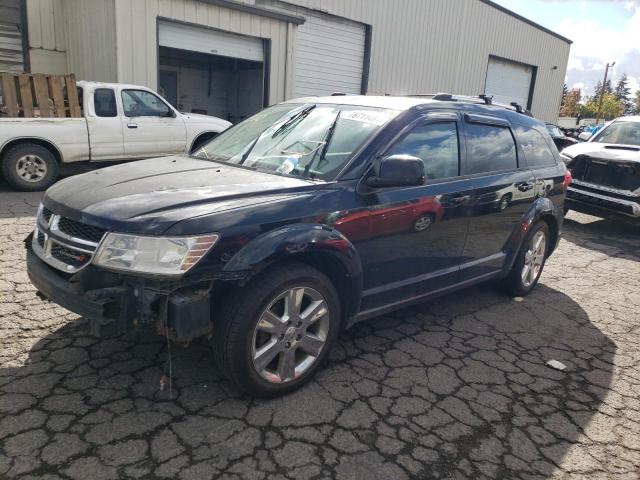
(417, 233)
(105, 125)
(150, 126)
(503, 190)
(544, 161)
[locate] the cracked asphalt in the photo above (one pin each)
(453, 388)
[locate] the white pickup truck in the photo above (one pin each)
(121, 122)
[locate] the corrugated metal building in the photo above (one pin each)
(230, 57)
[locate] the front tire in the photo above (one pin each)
(529, 263)
(29, 167)
(272, 335)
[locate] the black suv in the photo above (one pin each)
(298, 222)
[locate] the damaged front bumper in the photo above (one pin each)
(181, 309)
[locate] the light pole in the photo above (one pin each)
(604, 84)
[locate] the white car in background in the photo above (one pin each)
(120, 122)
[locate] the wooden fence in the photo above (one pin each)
(38, 95)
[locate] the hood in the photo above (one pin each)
(149, 196)
(199, 118)
(605, 151)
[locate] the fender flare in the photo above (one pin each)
(542, 208)
(300, 241)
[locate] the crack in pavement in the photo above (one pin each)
(452, 388)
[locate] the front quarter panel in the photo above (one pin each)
(297, 241)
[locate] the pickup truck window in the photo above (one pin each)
(140, 103)
(104, 102)
(620, 133)
(311, 141)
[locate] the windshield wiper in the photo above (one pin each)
(298, 116)
(325, 147)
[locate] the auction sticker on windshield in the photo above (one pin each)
(373, 117)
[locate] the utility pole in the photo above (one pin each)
(604, 85)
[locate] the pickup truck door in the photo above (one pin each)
(104, 125)
(150, 126)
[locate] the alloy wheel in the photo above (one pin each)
(534, 258)
(290, 334)
(422, 223)
(31, 168)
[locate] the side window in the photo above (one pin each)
(139, 103)
(490, 148)
(436, 144)
(535, 147)
(104, 102)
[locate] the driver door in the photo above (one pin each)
(150, 127)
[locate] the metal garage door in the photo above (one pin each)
(508, 81)
(11, 54)
(329, 55)
(204, 40)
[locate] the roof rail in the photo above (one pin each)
(481, 98)
(338, 94)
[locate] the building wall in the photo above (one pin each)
(47, 36)
(136, 37)
(76, 36)
(428, 46)
(91, 46)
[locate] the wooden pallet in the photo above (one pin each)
(38, 95)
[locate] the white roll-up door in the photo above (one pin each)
(508, 81)
(11, 51)
(329, 55)
(204, 40)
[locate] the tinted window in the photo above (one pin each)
(139, 103)
(104, 101)
(536, 149)
(489, 149)
(436, 144)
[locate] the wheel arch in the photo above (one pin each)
(208, 135)
(35, 140)
(542, 209)
(318, 246)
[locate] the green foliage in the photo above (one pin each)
(622, 93)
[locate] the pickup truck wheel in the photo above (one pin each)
(272, 335)
(530, 261)
(29, 167)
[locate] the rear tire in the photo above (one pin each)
(255, 336)
(29, 167)
(529, 263)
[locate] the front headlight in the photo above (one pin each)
(152, 255)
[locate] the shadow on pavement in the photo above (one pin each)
(602, 235)
(457, 387)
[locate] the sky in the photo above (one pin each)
(602, 31)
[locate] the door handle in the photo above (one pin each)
(524, 186)
(132, 125)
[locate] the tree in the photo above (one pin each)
(611, 107)
(636, 101)
(622, 92)
(571, 104)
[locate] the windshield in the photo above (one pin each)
(621, 133)
(554, 131)
(311, 140)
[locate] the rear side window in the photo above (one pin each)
(436, 144)
(490, 148)
(104, 102)
(535, 147)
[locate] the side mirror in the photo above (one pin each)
(398, 171)
(584, 136)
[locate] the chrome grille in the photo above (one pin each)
(64, 243)
(80, 230)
